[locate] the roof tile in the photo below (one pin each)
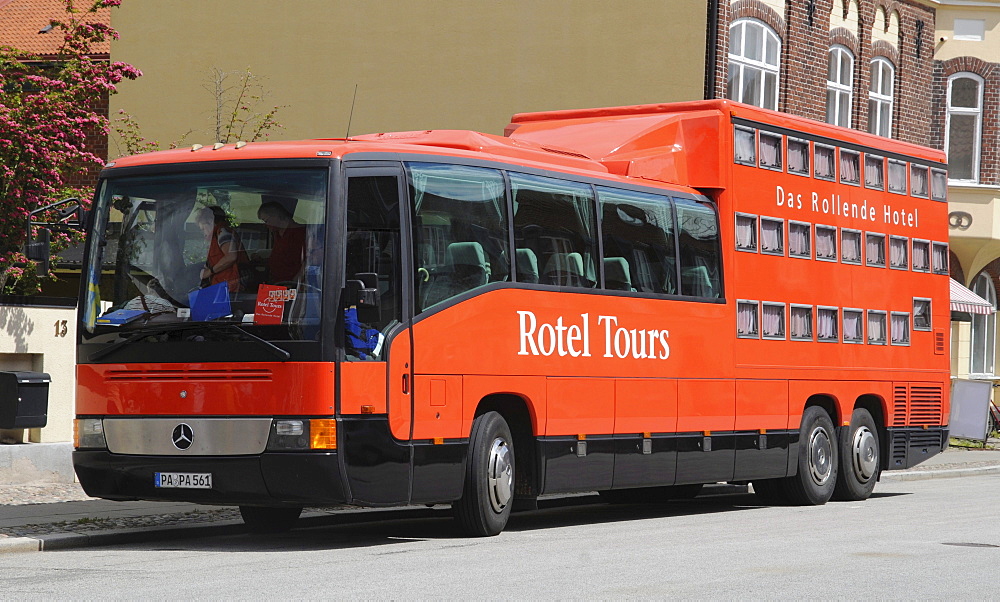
(21, 20)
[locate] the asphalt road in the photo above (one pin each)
(937, 538)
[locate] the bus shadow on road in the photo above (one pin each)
(389, 528)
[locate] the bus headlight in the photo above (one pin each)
(88, 433)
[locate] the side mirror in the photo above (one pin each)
(38, 250)
(364, 298)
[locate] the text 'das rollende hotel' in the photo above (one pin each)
(582, 335)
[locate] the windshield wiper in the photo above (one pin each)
(152, 332)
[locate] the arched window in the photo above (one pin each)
(880, 90)
(984, 329)
(754, 53)
(965, 118)
(839, 86)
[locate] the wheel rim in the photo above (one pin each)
(500, 479)
(820, 456)
(864, 452)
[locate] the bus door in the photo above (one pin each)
(376, 373)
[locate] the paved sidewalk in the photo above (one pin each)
(58, 516)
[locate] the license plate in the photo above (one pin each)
(183, 480)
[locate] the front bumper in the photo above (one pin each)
(268, 479)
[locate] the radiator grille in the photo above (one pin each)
(187, 375)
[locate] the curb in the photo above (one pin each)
(919, 475)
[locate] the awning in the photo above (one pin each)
(964, 300)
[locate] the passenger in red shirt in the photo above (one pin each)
(288, 242)
(225, 254)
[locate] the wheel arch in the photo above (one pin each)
(829, 404)
(516, 411)
(877, 407)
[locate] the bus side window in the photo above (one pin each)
(373, 256)
(554, 220)
(701, 266)
(638, 233)
(459, 230)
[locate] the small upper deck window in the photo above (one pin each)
(874, 172)
(939, 184)
(898, 258)
(746, 232)
(744, 145)
(747, 323)
(900, 328)
(850, 172)
(826, 243)
(800, 325)
(940, 258)
(798, 156)
(824, 162)
(772, 239)
(826, 324)
(921, 313)
(853, 327)
(850, 246)
(875, 249)
(876, 327)
(770, 151)
(799, 239)
(773, 321)
(918, 181)
(921, 256)
(897, 176)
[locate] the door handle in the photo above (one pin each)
(406, 384)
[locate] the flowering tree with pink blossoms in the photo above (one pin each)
(47, 109)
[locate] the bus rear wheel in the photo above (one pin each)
(814, 483)
(486, 501)
(263, 519)
(859, 458)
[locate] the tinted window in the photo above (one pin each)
(638, 232)
(701, 268)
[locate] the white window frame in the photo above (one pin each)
(906, 248)
(885, 257)
(781, 231)
(888, 180)
(809, 237)
(885, 327)
(783, 335)
(945, 269)
(892, 330)
(930, 318)
(913, 255)
(756, 309)
(808, 171)
(818, 148)
(781, 149)
(836, 322)
(977, 112)
(832, 230)
(984, 328)
(846, 155)
(861, 247)
(878, 98)
(751, 161)
(861, 316)
(740, 63)
(791, 323)
(837, 89)
(756, 233)
(874, 163)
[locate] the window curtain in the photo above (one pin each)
(940, 258)
(851, 247)
(824, 162)
(876, 328)
(873, 173)
(875, 250)
(897, 252)
(744, 146)
(922, 314)
(921, 259)
(770, 151)
(897, 177)
(774, 320)
(852, 326)
(746, 232)
(801, 322)
(918, 181)
(826, 324)
(798, 156)
(900, 328)
(849, 167)
(771, 236)
(798, 239)
(826, 243)
(746, 319)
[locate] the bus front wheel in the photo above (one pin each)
(489, 478)
(814, 483)
(859, 458)
(263, 519)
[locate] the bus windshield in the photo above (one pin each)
(236, 247)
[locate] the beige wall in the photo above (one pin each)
(418, 64)
(987, 50)
(32, 338)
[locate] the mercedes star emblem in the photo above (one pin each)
(183, 436)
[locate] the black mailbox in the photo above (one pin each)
(24, 399)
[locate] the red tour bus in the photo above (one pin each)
(634, 300)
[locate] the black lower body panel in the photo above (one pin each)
(269, 479)
(910, 446)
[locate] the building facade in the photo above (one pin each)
(966, 123)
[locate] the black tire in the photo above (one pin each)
(860, 456)
(770, 492)
(814, 483)
(488, 494)
(263, 519)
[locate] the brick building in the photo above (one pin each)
(863, 64)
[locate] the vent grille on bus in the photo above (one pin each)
(899, 451)
(939, 341)
(917, 404)
(186, 375)
(899, 404)
(926, 439)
